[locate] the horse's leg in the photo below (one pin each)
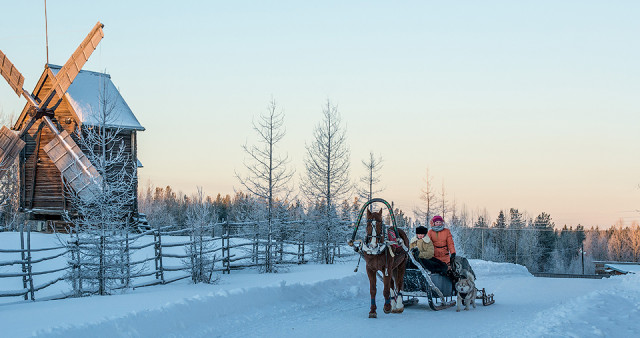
(393, 291)
(372, 290)
(393, 288)
(399, 283)
(386, 293)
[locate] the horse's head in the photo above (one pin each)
(374, 234)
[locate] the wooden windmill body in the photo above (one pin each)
(43, 141)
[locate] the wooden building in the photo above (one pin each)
(42, 196)
(613, 268)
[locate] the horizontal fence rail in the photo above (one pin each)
(99, 262)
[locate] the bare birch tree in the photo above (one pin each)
(327, 176)
(428, 198)
(268, 175)
(369, 181)
(444, 204)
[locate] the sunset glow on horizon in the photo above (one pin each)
(531, 106)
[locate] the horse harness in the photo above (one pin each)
(391, 242)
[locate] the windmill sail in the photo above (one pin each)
(10, 146)
(11, 74)
(10, 142)
(76, 169)
(70, 70)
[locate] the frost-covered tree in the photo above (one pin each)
(466, 238)
(595, 244)
(101, 218)
(546, 240)
(268, 175)
(326, 179)
(528, 251)
(634, 241)
(200, 249)
(498, 233)
(10, 198)
(514, 230)
(616, 245)
(482, 224)
(9, 187)
(159, 205)
(567, 250)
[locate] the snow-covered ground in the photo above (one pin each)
(331, 300)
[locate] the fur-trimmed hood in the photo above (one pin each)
(426, 239)
(424, 245)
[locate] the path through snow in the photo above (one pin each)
(317, 300)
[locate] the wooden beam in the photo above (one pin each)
(35, 165)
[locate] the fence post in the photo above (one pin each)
(75, 267)
(127, 256)
(299, 250)
(303, 239)
(192, 253)
(155, 252)
(29, 267)
(201, 263)
(122, 260)
(74, 280)
(228, 235)
(79, 263)
(256, 247)
(223, 224)
(101, 276)
(159, 256)
(23, 258)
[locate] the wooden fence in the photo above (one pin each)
(223, 246)
(27, 262)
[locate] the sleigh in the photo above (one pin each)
(438, 289)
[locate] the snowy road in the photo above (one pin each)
(325, 301)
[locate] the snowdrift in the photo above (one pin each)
(331, 300)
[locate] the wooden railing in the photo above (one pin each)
(223, 246)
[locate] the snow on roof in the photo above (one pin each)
(83, 95)
(624, 268)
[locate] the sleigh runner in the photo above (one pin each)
(416, 285)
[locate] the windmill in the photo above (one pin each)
(77, 170)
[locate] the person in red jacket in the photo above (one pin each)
(444, 249)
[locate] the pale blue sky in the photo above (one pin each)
(532, 105)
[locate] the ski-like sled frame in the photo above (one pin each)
(440, 293)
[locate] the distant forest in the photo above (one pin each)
(511, 237)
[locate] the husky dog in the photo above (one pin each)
(467, 291)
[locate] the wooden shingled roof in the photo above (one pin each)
(83, 97)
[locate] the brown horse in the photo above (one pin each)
(386, 258)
